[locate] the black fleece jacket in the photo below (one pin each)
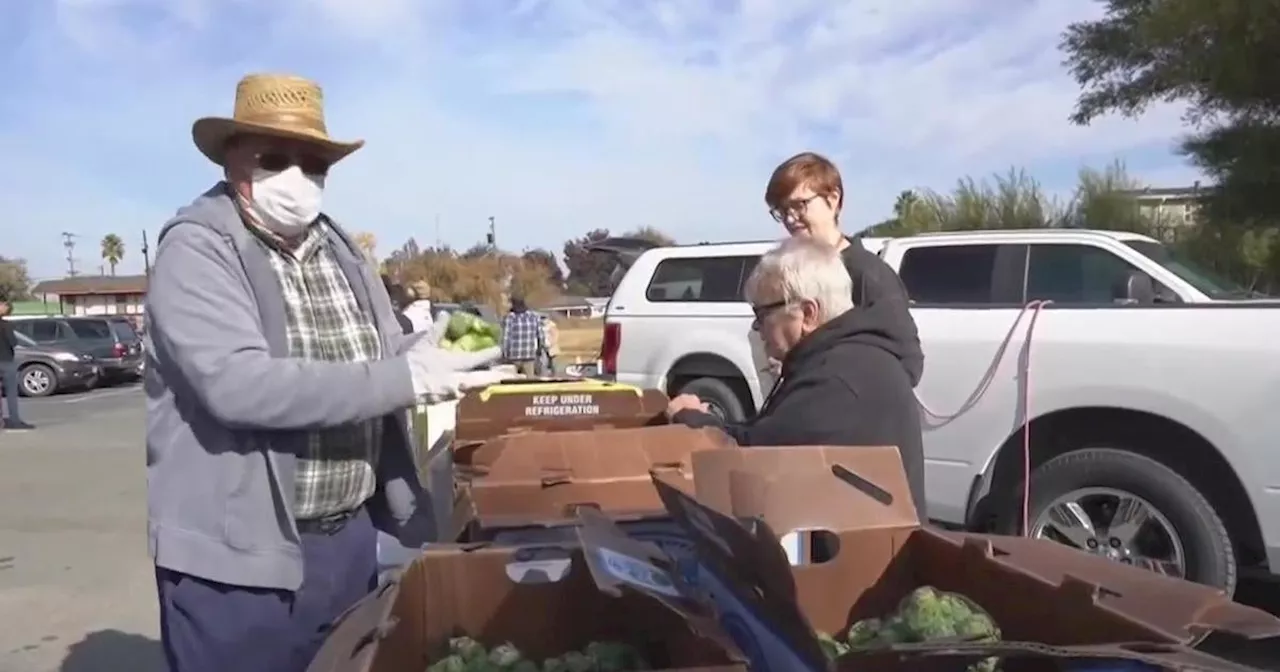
(878, 290)
(842, 385)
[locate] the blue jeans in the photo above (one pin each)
(10, 373)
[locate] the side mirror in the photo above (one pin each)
(1137, 288)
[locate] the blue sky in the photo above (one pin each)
(554, 116)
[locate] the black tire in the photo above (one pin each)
(719, 396)
(29, 390)
(1210, 556)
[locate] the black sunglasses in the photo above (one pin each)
(278, 162)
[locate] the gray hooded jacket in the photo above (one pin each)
(227, 406)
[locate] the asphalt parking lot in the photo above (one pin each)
(77, 591)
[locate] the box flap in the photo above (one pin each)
(752, 565)
(547, 406)
(617, 562)
(928, 657)
(349, 646)
(833, 488)
(810, 487)
(549, 475)
(1179, 611)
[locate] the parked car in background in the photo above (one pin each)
(109, 339)
(44, 370)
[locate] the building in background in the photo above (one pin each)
(94, 295)
(574, 306)
(1169, 206)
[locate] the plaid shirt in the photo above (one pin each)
(522, 338)
(324, 322)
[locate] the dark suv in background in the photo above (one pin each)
(46, 369)
(110, 340)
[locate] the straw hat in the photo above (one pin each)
(283, 106)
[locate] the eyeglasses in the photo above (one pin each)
(763, 312)
(278, 162)
(793, 208)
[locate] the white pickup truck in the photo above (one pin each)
(1143, 395)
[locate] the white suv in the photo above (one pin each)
(1149, 384)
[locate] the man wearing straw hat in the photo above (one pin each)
(276, 383)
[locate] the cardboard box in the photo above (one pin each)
(484, 594)
(556, 406)
(1051, 601)
(542, 479)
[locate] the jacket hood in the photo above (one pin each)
(876, 325)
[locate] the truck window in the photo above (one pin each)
(1073, 273)
(702, 279)
(955, 274)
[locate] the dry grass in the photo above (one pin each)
(580, 337)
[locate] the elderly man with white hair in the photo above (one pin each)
(842, 381)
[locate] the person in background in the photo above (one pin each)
(522, 338)
(9, 368)
(806, 194)
(551, 338)
(842, 384)
(418, 309)
(277, 381)
(399, 299)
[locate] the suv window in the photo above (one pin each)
(700, 279)
(952, 273)
(91, 329)
(40, 331)
(124, 331)
(1075, 274)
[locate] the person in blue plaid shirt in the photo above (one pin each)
(522, 339)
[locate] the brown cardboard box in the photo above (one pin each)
(541, 479)
(1050, 601)
(404, 625)
(556, 406)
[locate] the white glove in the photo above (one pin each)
(435, 333)
(438, 374)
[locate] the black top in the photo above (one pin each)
(843, 385)
(878, 290)
(406, 325)
(7, 341)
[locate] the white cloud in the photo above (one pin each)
(555, 116)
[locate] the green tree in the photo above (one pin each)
(1104, 200)
(911, 215)
(1216, 56)
(589, 272)
(14, 281)
(1014, 200)
(112, 250)
(651, 234)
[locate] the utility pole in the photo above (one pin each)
(69, 242)
(493, 235)
(146, 254)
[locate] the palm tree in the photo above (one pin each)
(112, 250)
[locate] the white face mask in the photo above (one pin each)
(287, 201)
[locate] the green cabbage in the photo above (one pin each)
(926, 614)
(468, 655)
